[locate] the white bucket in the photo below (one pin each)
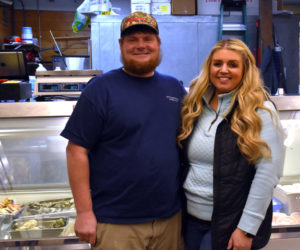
(27, 34)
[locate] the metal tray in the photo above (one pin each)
(2, 218)
(7, 218)
(5, 221)
(44, 228)
(285, 228)
(57, 207)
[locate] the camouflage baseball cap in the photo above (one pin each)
(139, 18)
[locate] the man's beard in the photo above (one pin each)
(139, 68)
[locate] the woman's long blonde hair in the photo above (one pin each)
(250, 95)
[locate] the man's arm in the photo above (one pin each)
(79, 178)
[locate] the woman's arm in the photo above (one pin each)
(268, 172)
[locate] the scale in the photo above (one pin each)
(62, 82)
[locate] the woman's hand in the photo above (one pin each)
(239, 241)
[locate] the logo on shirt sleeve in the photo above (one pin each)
(172, 98)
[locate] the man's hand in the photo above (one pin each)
(239, 241)
(86, 227)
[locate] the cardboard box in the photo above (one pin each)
(212, 7)
(161, 1)
(161, 8)
(186, 7)
(140, 1)
(144, 7)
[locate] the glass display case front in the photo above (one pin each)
(286, 199)
(35, 193)
(35, 198)
(32, 153)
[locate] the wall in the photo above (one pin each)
(122, 6)
(186, 42)
(295, 8)
(5, 22)
(60, 23)
(64, 10)
(288, 39)
(58, 16)
(53, 5)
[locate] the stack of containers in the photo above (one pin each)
(154, 7)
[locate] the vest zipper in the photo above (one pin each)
(217, 114)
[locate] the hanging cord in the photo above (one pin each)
(277, 49)
(39, 22)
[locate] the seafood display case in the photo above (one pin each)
(286, 199)
(36, 203)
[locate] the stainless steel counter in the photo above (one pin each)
(284, 238)
(44, 244)
(287, 102)
(36, 109)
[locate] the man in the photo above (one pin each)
(122, 155)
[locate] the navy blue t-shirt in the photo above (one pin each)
(130, 125)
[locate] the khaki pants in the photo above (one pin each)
(163, 234)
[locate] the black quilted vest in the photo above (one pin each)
(232, 178)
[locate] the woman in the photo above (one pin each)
(233, 149)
